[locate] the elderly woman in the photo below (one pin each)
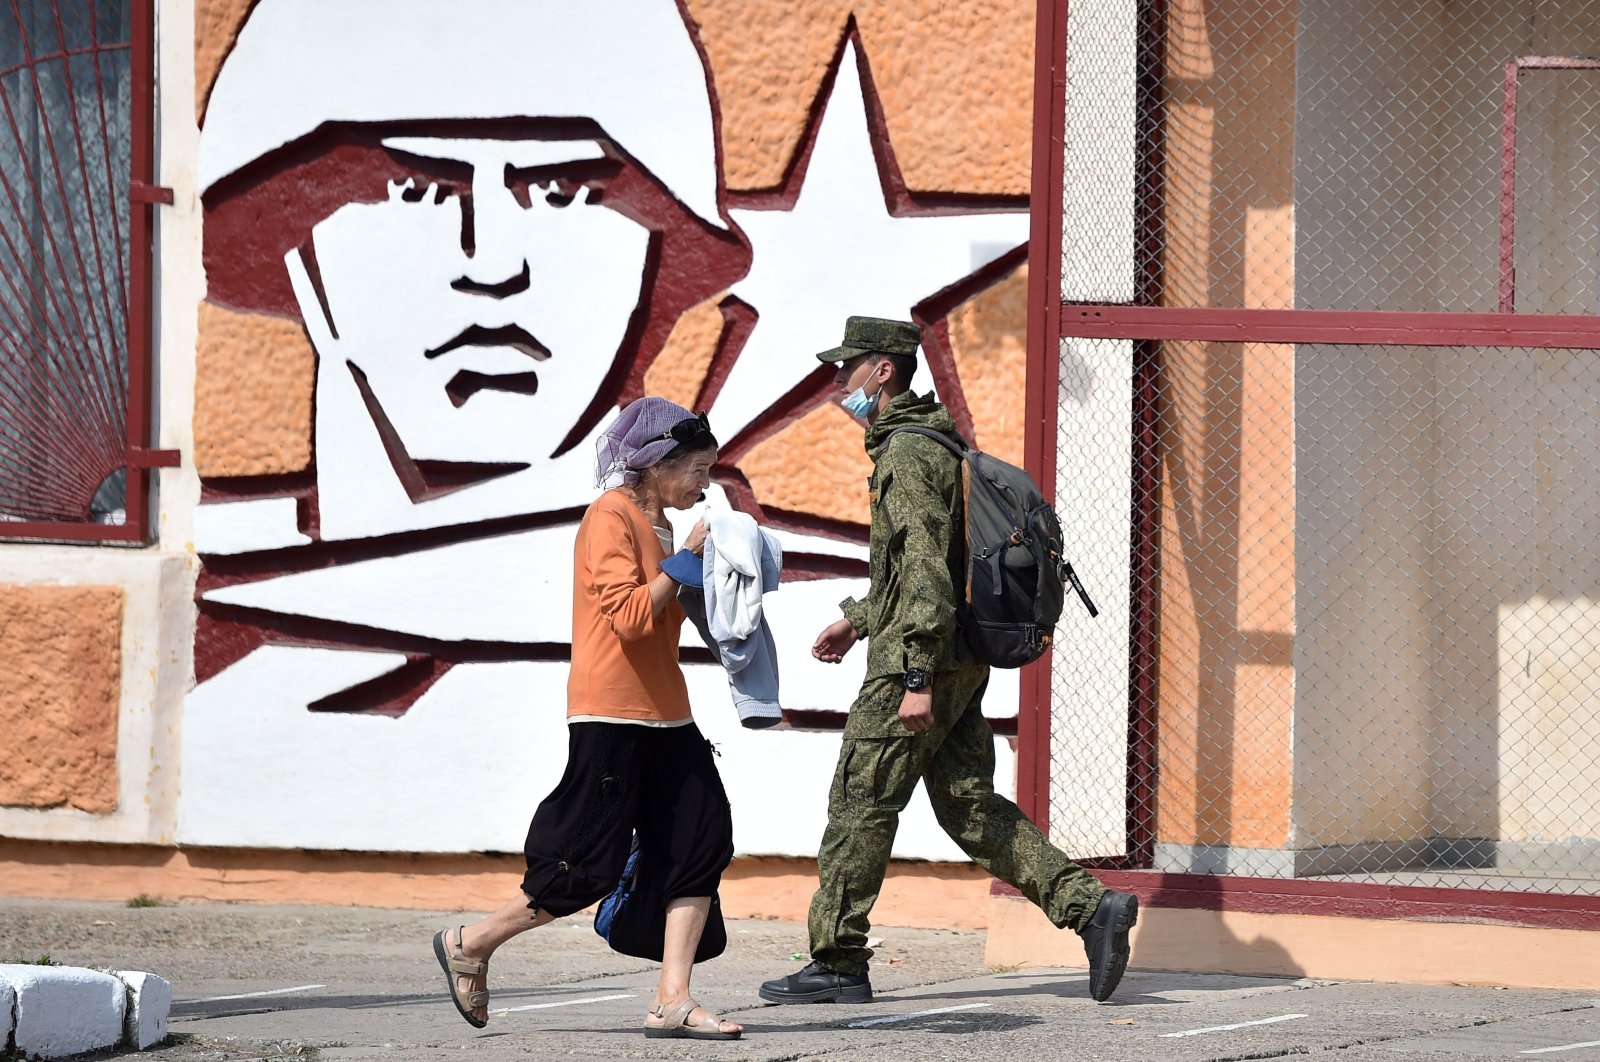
(636, 762)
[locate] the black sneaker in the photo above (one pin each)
(1105, 942)
(818, 984)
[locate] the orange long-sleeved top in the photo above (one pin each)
(624, 658)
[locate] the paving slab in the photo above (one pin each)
(362, 984)
(1568, 1034)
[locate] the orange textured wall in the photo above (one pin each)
(1228, 164)
(216, 25)
(818, 464)
(61, 654)
(252, 405)
(989, 338)
(680, 368)
(956, 82)
(1226, 695)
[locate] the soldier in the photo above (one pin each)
(919, 713)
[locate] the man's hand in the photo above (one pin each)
(916, 710)
(834, 642)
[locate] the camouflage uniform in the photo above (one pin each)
(909, 618)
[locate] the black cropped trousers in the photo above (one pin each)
(622, 779)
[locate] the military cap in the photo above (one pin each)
(874, 335)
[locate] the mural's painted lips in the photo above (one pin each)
(513, 336)
(466, 383)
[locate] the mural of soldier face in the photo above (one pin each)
(486, 256)
(479, 306)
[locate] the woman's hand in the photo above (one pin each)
(696, 542)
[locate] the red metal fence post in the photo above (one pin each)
(1044, 365)
(139, 265)
(1508, 192)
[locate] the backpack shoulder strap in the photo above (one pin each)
(954, 443)
(957, 446)
(969, 465)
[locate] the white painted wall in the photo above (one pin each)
(239, 761)
(1097, 194)
(1549, 719)
(377, 783)
(1094, 444)
(260, 769)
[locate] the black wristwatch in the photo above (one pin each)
(916, 678)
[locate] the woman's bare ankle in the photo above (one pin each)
(472, 944)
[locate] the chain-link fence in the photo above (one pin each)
(1347, 154)
(1355, 622)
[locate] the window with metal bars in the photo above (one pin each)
(74, 109)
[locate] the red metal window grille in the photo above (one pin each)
(76, 91)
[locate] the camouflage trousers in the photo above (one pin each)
(880, 764)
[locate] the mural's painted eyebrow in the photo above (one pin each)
(578, 171)
(495, 152)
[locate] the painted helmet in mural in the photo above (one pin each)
(299, 64)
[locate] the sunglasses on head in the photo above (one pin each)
(687, 431)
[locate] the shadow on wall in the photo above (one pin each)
(1172, 934)
(1201, 942)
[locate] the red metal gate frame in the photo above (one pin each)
(1050, 320)
(1044, 368)
(143, 195)
(1508, 162)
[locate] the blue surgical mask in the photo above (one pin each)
(859, 404)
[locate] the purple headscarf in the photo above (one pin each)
(633, 442)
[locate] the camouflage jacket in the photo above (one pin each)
(917, 545)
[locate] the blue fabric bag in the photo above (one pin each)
(606, 917)
(633, 918)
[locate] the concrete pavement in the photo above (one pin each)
(360, 983)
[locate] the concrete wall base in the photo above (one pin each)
(918, 894)
(1291, 945)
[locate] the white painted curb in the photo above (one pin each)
(53, 1011)
(8, 1012)
(63, 1010)
(149, 1001)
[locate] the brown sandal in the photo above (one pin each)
(675, 1024)
(456, 965)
